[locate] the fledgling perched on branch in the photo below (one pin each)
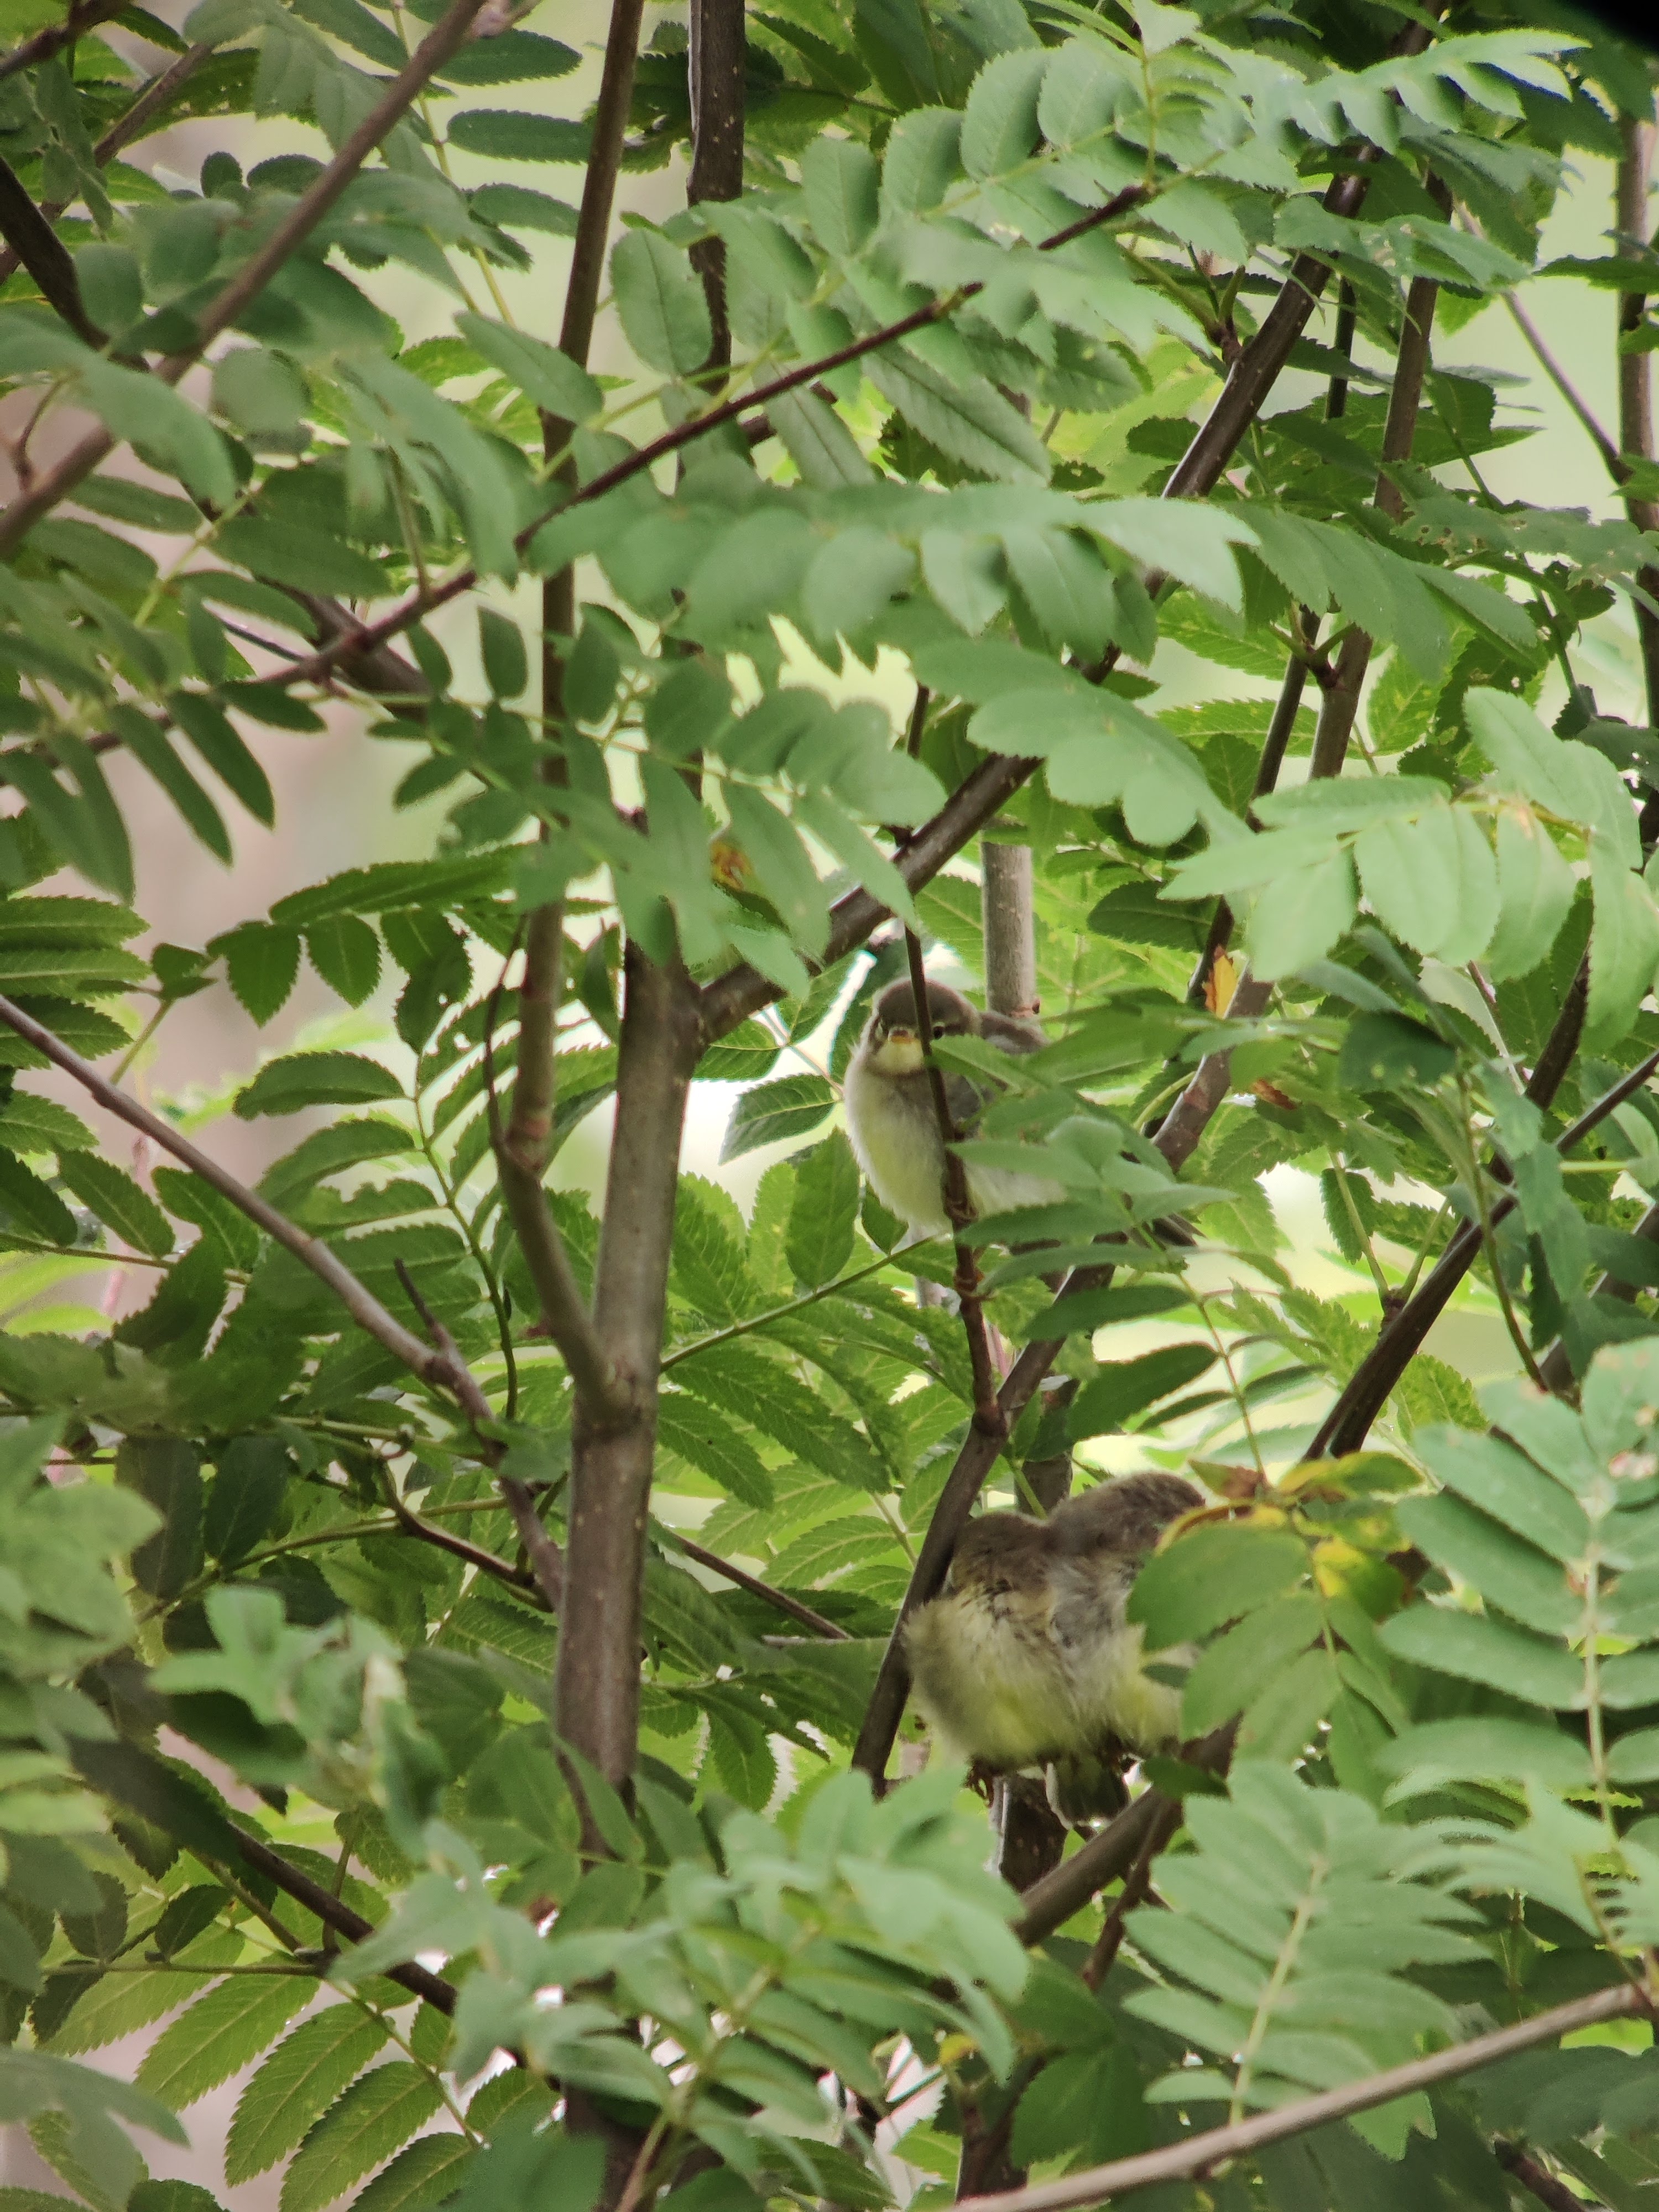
(1025, 1659)
(890, 1115)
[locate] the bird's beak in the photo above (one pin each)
(901, 1036)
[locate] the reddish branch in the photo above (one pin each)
(1198, 2155)
(55, 36)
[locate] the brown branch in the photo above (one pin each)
(1136, 1883)
(55, 36)
(597, 1681)
(522, 1151)
(1538, 2181)
(329, 1909)
(1050, 1903)
(37, 247)
(989, 1415)
(779, 1599)
(443, 1539)
(256, 272)
(1007, 924)
(1198, 2155)
(546, 1560)
(717, 61)
(1345, 1427)
(1340, 703)
(581, 297)
(1187, 1119)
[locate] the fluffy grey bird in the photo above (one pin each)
(1025, 1659)
(889, 1108)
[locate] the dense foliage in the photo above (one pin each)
(1033, 434)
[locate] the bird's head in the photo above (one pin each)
(1001, 1555)
(892, 1040)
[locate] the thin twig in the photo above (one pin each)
(364, 1308)
(1197, 2156)
(291, 232)
(988, 1414)
(1539, 2183)
(338, 1916)
(546, 1560)
(523, 1148)
(1345, 1427)
(55, 36)
(756, 1588)
(1553, 369)
(1340, 703)
(36, 245)
(1136, 1883)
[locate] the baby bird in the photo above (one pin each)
(891, 1117)
(1025, 1659)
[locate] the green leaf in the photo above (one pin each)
(545, 374)
(226, 2028)
(660, 300)
(1493, 1476)
(708, 1441)
(263, 965)
(1535, 889)
(500, 644)
(316, 1078)
(515, 207)
(166, 1473)
(346, 954)
(775, 1113)
(513, 57)
(375, 2116)
(424, 2171)
(329, 1152)
(302, 559)
(1624, 948)
(1121, 1388)
(226, 753)
(509, 135)
(1390, 1052)
(28, 1203)
(773, 847)
(999, 123)
(152, 747)
(117, 1200)
(1211, 1574)
(247, 1492)
(823, 1213)
(1299, 918)
(971, 422)
(840, 179)
(303, 2076)
(1488, 1651)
